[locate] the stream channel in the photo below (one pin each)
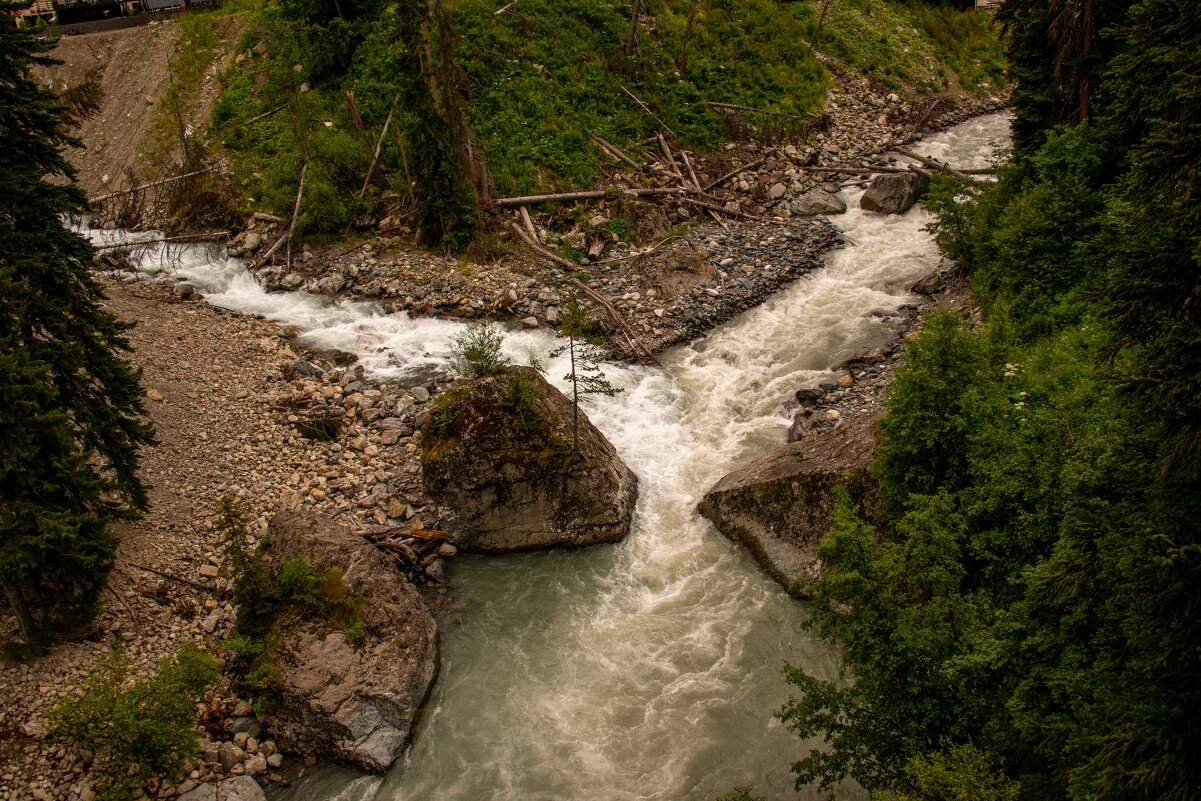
(649, 669)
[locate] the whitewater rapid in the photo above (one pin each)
(649, 669)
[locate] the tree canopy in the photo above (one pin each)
(1021, 617)
(70, 408)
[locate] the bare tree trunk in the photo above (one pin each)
(820, 20)
(575, 399)
(628, 47)
(1085, 49)
(19, 606)
(688, 35)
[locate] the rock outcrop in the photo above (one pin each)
(894, 193)
(499, 452)
(779, 505)
(356, 702)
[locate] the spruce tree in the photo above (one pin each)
(70, 406)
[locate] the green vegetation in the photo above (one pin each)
(585, 355)
(194, 54)
(476, 351)
(910, 47)
(137, 729)
(484, 103)
(266, 600)
(1020, 617)
(70, 407)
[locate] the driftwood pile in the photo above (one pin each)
(417, 552)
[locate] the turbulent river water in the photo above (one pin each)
(650, 669)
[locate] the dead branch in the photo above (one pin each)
(295, 211)
(937, 166)
(132, 616)
(589, 194)
(612, 150)
(639, 255)
(732, 107)
(691, 172)
(922, 121)
(635, 343)
(650, 113)
(527, 222)
(504, 8)
(379, 143)
(266, 113)
(151, 185)
(671, 161)
(210, 236)
(735, 171)
(169, 576)
(714, 207)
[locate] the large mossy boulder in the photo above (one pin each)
(779, 506)
(354, 661)
(500, 452)
(894, 193)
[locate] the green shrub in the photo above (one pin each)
(141, 728)
(476, 352)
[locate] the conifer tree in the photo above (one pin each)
(585, 372)
(70, 407)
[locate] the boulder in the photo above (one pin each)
(894, 193)
(239, 788)
(352, 702)
(499, 451)
(818, 201)
(931, 284)
(779, 505)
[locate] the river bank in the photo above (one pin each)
(227, 385)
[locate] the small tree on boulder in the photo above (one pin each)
(585, 374)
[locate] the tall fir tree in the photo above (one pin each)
(70, 407)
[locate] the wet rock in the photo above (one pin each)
(499, 452)
(356, 704)
(818, 201)
(779, 506)
(809, 395)
(932, 284)
(894, 193)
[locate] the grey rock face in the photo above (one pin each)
(818, 201)
(894, 193)
(498, 451)
(353, 703)
(779, 506)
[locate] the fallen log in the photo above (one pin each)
(183, 239)
(587, 194)
(714, 207)
(733, 107)
(378, 145)
(613, 150)
(151, 185)
(735, 171)
(938, 166)
(632, 339)
(649, 113)
(291, 227)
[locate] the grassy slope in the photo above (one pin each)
(545, 73)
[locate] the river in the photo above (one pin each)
(649, 669)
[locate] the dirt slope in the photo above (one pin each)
(131, 66)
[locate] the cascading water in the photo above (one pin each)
(649, 669)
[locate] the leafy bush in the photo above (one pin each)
(141, 728)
